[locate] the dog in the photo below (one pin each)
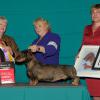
(89, 60)
(47, 72)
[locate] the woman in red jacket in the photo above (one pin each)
(92, 37)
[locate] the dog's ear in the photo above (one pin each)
(29, 52)
(25, 51)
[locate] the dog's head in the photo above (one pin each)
(26, 56)
(90, 57)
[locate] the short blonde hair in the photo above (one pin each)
(43, 20)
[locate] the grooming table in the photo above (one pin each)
(43, 91)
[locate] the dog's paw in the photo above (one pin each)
(75, 83)
(33, 82)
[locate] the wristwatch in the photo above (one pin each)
(38, 48)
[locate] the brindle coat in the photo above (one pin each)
(47, 72)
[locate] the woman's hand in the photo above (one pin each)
(7, 48)
(33, 48)
(41, 49)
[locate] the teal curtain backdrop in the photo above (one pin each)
(67, 18)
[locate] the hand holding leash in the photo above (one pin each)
(33, 48)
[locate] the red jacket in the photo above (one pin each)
(91, 38)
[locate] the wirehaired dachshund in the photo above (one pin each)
(47, 72)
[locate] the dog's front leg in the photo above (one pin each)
(33, 82)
